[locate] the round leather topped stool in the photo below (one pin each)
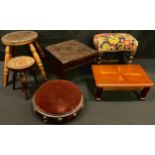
(21, 38)
(58, 100)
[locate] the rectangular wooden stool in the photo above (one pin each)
(124, 77)
(67, 55)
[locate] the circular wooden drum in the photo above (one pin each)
(58, 100)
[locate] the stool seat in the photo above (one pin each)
(112, 42)
(58, 99)
(21, 62)
(19, 38)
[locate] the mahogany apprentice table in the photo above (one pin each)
(20, 38)
(124, 77)
(67, 55)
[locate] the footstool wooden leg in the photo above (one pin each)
(38, 60)
(98, 93)
(8, 55)
(99, 61)
(24, 83)
(131, 57)
(39, 48)
(144, 92)
(14, 79)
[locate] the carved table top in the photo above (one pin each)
(70, 51)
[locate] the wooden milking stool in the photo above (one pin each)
(20, 38)
(21, 64)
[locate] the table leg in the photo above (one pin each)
(39, 48)
(8, 55)
(38, 60)
(24, 83)
(144, 92)
(98, 93)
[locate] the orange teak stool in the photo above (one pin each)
(21, 64)
(20, 38)
(126, 77)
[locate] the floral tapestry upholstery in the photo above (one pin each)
(113, 42)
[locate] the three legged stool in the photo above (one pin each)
(21, 64)
(20, 38)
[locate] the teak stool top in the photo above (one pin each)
(19, 38)
(120, 76)
(21, 62)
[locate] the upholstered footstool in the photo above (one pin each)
(115, 42)
(58, 100)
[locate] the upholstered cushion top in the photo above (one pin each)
(107, 42)
(57, 97)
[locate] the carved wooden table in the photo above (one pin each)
(20, 38)
(125, 77)
(58, 100)
(69, 54)
(22, 64)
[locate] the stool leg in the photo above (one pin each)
(98, 93)
(34, 74)
(144, 92)
(99, 61)
(131, 57)
(24, 83)
(8, 55)
(39, 48)
(38, 60)
(14, 79)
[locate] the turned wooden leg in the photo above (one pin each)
(24, 83)
(38, 60)
(14, 79)
(39, 48)
(144, 92)
(99, 59)
(98, 93)
(8, 55)
(131, 57)
(34, 74)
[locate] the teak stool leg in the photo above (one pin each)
(38, 60)
(8, 55)
(24, 83)
(39, 48)
(144, 92)
(14, 79)
(98, 93)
